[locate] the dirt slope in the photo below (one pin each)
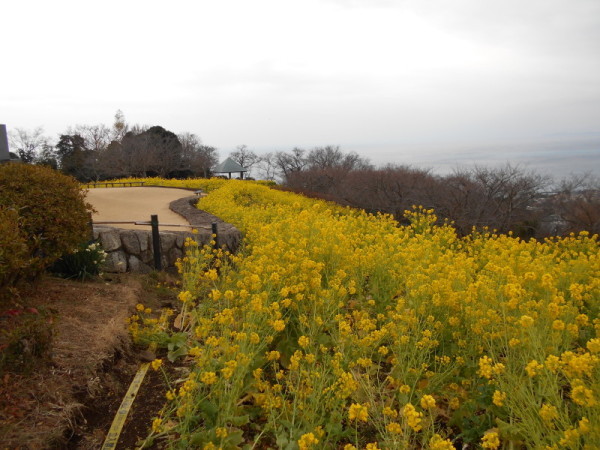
(91, 365)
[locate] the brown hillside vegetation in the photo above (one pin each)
(68, 398)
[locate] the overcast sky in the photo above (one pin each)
(433, 83)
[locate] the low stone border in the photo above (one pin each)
(132, 250)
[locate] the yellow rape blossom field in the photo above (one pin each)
(333, 328)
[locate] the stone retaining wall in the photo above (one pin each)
(132, 250)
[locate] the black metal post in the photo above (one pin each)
(156, 242)
(91, 227)
(214, 231)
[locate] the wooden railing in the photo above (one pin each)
(114, 183)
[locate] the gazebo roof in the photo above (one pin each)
(229, 166)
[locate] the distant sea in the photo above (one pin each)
(558, 164)
(558, 159)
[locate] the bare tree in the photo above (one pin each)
(331, 157)
(205, 159)
(197, 159)
(577, 204)
(459, 197)
(189, 146)
(504, 199)
(155, 151)
(28, 144)
(137, 158)
(47, 156)
(137, 129)
(120, 127)
(391, 189)
(115, 162)
(324, 157)
(326, 170)
(316, 180)
(96, 137)
(267, 166)
(509, 192)
(290, 163)
(244, 157)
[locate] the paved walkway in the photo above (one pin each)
(137, 204)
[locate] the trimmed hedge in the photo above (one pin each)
(43, 210)
(13, 248)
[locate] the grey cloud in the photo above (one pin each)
(266, 77)
(553, 26)
(565, 27)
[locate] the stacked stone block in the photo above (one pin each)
(132, 250)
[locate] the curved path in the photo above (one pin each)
(137, 204)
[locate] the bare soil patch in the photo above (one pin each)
(69, 399)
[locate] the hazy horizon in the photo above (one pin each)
(555, 157)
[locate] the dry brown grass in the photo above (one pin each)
(41, 408)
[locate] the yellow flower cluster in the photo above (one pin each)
(490, 440)
(549, 413)
(427, 402)
(336, 320)
(533, 367)
(498, 398)
(156, 364)
(146, 328)
(488, 369)
(307, 441)
(413, 418)
(208, 378)
(438, 443)
(358, 412)
(583, 396)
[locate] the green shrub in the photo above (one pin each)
(81, 264)
(52, 216)
(13, 249)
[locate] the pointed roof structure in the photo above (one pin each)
(230, 166)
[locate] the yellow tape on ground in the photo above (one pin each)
(117, 425)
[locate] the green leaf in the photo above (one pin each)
(333, 428)
(176, 340)
(197, 439)
(511, 432)
(239, 421)
(233, 439)
(286, 423)
(210, 411)
(177, 346)
(174, 354)
(282, 440)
